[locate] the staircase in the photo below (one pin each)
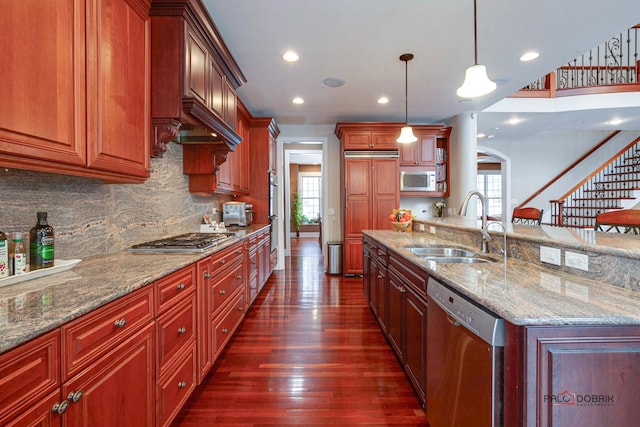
(612, 186)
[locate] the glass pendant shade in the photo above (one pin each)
(476, 83)
(406, 135)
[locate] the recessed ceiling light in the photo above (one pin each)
(529, 56)
(615, 122)
(383, 100)
(297, 100)
(514, 121)
(290, 56)
(491, 136)
(480, 135)
(332, 82)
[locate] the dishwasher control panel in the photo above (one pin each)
(466, 313)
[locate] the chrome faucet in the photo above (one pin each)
(463, 211)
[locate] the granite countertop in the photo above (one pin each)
(521, 292)
(31, 308)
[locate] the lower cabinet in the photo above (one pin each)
(134, 361)
(572, 375)
(397, 295)
(118, 388)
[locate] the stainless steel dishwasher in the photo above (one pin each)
(465, 352)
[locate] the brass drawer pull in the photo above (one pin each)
(120, 323)
(181, 286)
(225, 330)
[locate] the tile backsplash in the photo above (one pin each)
(93, 218)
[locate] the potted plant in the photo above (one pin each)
(296, 213)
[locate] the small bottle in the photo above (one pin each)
(41, 248)
(18, 256)
(4, 256)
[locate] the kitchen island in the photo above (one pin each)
(569, 339)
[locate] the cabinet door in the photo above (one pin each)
(382, 302)
(395, 326)
(358, 197)
(39, 414)
(216, 92)
(385, 140)
(196, 64)
(582, 376)
(27, 374)
(408, 154)
(357, 141)
(353, 263)
(230, 104)
(416, 341)
(42, 113)
(427, 149)
(118, 389)
(118, 86)
(385, 193)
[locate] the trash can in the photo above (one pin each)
(334, 252)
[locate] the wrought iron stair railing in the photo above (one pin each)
(610, 187)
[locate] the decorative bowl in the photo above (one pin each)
(402, 226)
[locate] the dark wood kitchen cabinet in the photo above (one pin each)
(403, 314)
(76, 88)
(233, 175)
(572, 375)
(429, 153)
(194, 79)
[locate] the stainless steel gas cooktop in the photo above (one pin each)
(190, 242)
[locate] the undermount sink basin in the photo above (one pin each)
(459, 259)
(442, 252)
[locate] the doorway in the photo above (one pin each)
(494, 171)
(303, 176)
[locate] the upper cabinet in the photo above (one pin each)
(194, 80)
(76, 88)
(431, 153)
(369, 136)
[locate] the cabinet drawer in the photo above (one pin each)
(88, 337)
(225, 325)
(225, 286)
(174, 390)
(415, 278)
(226, 257)
(27, 373)
(176, 331)
(173, 288)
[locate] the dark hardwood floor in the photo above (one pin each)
(309, 352)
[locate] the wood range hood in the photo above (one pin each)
(194, 79)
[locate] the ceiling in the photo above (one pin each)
(360, 41)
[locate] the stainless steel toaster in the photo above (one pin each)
(237, 213)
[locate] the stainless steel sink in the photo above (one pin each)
(442, 252)
(459, 259)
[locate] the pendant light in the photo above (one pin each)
(476, 82)
(406, 133)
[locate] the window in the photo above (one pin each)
(490, 185)
(309, 186)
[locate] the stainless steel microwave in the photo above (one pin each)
(419, 180)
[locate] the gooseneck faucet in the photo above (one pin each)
(463, 211)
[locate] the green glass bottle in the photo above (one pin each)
(42, 242)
